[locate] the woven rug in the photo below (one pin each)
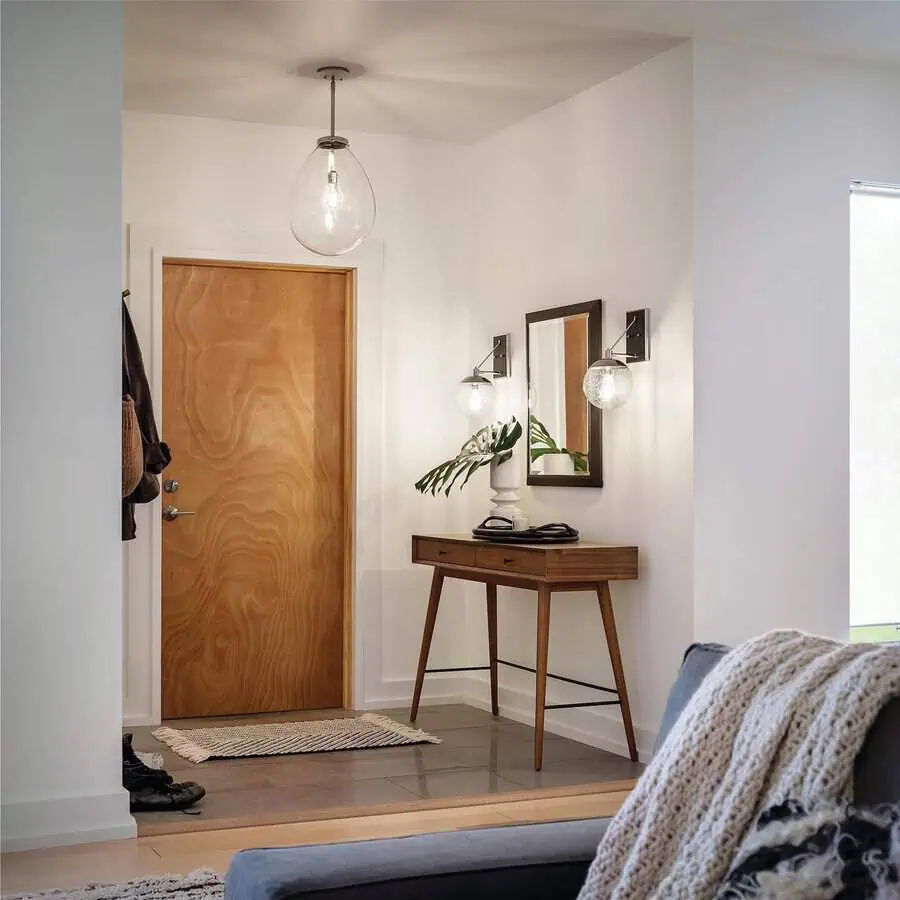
(200, 885)
(279, 738)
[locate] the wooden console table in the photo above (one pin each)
(544, 568)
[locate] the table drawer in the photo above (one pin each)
(445, 554)
(510, 559)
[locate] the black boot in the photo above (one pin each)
(133, 769)
(154, 790)
(151, 796)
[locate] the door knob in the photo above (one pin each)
(171, 513)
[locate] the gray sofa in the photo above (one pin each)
(527, 861)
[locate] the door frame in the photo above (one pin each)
(146, 249)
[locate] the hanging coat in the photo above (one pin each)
(156, 453)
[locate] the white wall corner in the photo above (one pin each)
(67, 820)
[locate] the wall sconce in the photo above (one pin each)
(475, 394)
(608, 382)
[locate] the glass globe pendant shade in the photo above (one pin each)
(333, 205)
(607, 383)
(475, 395)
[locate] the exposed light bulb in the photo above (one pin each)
(475, 395)
(477, 399)
(332, 197)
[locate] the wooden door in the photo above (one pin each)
(256, 396)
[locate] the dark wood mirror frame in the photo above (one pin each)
(594, 476)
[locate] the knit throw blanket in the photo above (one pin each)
(781, 717)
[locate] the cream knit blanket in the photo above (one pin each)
(781, 716)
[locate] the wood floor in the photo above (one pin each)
(480, 760)
(71, 867)
(481, 776)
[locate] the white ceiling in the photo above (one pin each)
(449, 69)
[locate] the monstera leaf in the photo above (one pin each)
(487, 444)
(541, 443)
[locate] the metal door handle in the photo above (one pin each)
(171, 513)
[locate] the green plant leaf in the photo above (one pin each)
(542, 444)
(488, 443)
(473, 468)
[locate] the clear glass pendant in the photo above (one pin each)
(333, 204)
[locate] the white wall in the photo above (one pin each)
(592, 199)
(874, 407)
(61, 586)
(548, 382)
(777, 141)
(235, 176)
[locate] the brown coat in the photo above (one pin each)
(156, 453)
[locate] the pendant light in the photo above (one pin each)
(333, 205)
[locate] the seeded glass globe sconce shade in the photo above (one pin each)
(608, 382)
(333, 204)
(475, 393)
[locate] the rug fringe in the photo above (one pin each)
(181, 744)
(399, 728)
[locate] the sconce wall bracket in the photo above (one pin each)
(637, 335)
(501, 361)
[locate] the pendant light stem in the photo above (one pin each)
(333, 91)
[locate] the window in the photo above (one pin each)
(874, 412)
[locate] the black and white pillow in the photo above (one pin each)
(830, 852)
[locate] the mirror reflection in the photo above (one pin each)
(559, 416)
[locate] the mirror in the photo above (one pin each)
(563, 428)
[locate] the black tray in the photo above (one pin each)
(552, 533)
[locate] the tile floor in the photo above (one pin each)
(479, 755)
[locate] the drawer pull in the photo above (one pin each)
(442, 552)
(508, 559)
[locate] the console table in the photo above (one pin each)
(544, 568)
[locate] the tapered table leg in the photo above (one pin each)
(615, 657)
(434, 599)
(492, 644)
(540, 682)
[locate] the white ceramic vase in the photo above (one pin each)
(558, 464)
(506, 482)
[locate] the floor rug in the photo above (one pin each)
(276, 739)
(200, 885)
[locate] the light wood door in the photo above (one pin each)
(256, 375)
(575, 337)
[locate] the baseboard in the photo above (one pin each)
(397, 692)
(587, 726)
(139, 720)
(390, 693)
(66, 820)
